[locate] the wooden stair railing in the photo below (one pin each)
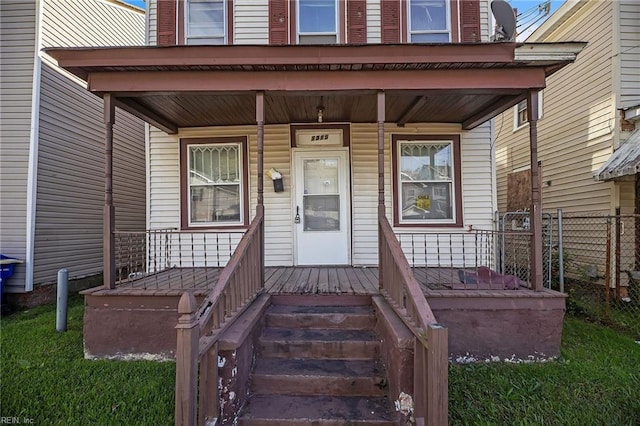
(399, 286)
(199, 328)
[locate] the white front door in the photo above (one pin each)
(322, 210)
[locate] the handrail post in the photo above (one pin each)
(437, 375)
(187, 353)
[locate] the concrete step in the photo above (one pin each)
(318, 344)
(327, 317)
(319, 377)
(275, 410)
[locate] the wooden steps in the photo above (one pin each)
(319, 364)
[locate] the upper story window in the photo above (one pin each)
(205, 22)
(427, 187)
(214, 182)
(429, 21)
(317, 21)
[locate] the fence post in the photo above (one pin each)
(187, 352)
(607, 273)
(617, 253)
(560, 251)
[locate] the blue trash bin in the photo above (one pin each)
(7, 268)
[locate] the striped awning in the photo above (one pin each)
(623, 162)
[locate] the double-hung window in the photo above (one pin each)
(427, 187)
(214, 182)
(428, 21)
(206, 22)
(317, 21)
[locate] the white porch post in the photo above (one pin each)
(108, 249)
(536, 207)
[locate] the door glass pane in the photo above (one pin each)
(321, 212)
(321, 199)
(321, 176)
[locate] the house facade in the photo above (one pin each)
(52, 162)
(333, 155)
(587, 113)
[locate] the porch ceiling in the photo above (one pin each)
(194, 86)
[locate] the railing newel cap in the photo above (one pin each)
(187, 304)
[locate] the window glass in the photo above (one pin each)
(428, 21)
(317, 16)
(426, 182)
(215, 186)
(205, 22)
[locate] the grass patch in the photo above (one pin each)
(45, 377)
(595, 382)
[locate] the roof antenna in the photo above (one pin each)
(505, 21)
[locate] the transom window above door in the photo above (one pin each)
(428, 21)
(317, 21)
(206, 21)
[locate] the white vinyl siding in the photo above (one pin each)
(374, 28)
(164, 183)
(152, 25)
(486, 30)
(629, 53)
(18, 33)
(75, 23)
(575, 135)
(251, 22)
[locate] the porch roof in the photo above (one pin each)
(194, 86)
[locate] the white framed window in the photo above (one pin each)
(214, 182)
(429, 21)
(206, 22)
(520, 118)
(427, 187)
(317, 21)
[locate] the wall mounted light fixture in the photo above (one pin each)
(320, 110)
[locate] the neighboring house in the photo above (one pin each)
(52, 160)
(588, 142)
(587, 112)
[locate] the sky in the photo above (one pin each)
(521, 5)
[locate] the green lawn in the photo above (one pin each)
(45, 377)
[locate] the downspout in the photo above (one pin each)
(32, 173)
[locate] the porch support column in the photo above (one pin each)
(108, 214)
(536, 208)
(260, 124)
(381, 118)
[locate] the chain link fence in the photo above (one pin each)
(600, 267)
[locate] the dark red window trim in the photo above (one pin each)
(457, 179)
(346, 131)
(184, 183)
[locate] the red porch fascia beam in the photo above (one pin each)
(229, 81)
(237, 55)
(536, 206)
(108, 214)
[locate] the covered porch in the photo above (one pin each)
(457, 87)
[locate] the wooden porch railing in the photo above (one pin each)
(402, 291)
(199, 328)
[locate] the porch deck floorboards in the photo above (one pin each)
(283, 280)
